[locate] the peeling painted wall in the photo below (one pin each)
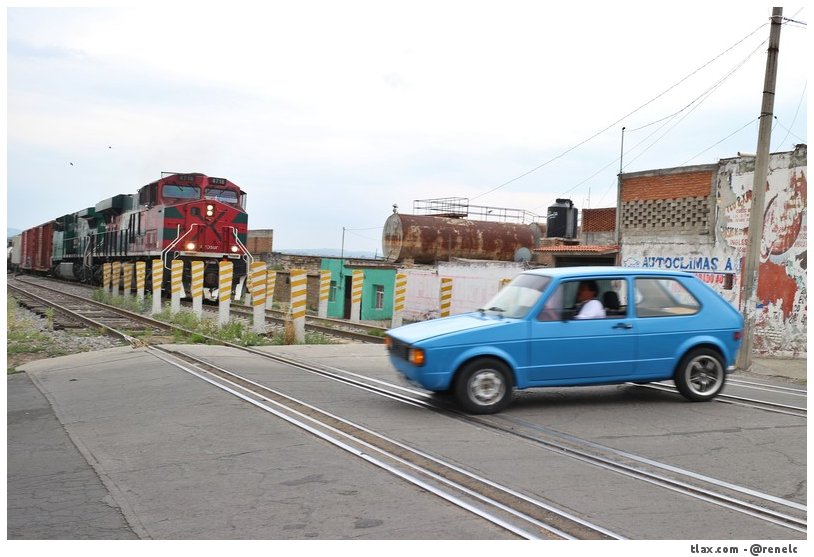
(717, 258)
(781, 314)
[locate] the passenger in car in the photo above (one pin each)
(589, 306)
(613, 306)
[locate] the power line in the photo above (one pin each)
(699, 100)
(749, 123)
(581, 143)
(796, 112)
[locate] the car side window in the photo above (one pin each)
(657, 297)
(613, 295)
(564, 303)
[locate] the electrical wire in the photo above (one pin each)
(796, 112)
(666, 120)
(595, 135)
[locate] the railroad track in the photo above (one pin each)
(332, 327)
(525, 516)
(768, 406)
(72, 311)
(775, 510)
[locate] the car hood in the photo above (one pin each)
(426, 330)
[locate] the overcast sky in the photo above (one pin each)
(328, 113)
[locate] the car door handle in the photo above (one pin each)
(623, 326)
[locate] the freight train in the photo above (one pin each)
(191, 217)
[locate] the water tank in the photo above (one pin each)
(427, 239)
(562, 219)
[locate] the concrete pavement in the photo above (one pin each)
(793, 370)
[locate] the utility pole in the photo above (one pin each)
(755, 236)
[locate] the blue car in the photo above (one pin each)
(575, 326)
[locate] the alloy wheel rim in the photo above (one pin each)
(487, 387)
(705, 375)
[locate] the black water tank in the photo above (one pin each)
(562, 220)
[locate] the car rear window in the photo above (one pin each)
(663, 297)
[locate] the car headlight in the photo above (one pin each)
(416, 356)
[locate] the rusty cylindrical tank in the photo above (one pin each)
(427, 239)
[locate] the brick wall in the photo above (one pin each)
(668, 201)
(598, 220)
(672, 185)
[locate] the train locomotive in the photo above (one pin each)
(191, 217)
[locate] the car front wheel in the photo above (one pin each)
(700, 375)
(484, 387)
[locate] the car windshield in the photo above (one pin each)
(518, 297)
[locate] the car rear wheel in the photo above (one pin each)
(700, 375)
(484, 387)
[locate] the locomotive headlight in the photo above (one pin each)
(210, 210)
(191, 246)
(234, 249)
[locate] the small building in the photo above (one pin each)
(378, 288)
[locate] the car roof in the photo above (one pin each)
(600, 271)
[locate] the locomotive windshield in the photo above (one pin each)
(181, 192)
(222, 195)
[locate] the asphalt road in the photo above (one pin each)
(117, 445)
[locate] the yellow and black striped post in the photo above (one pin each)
(196, 287)
(399, 296)
(127, 285)
(141, 275)
(257, 284)
(176, 285)
(356, 295)
(445, 305)
(117, 273)
(157, 277)
(271, 283)
(324, 292)
(107, 276)
(299, 294)
(225, 273)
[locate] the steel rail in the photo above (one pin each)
(768, 406)
(76, 315)
(579, 449)
(473, 486)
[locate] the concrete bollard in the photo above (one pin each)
(445, 305)
(299, 292)
(127, 283)
(141, 275)
(324, 292)
(176, 285)
(399, 295)
(157, 278)
(107, 277)
(225, 273)
(196, 287)
(356, 295)
(271, 283)
(117, 273)
(257, 286)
